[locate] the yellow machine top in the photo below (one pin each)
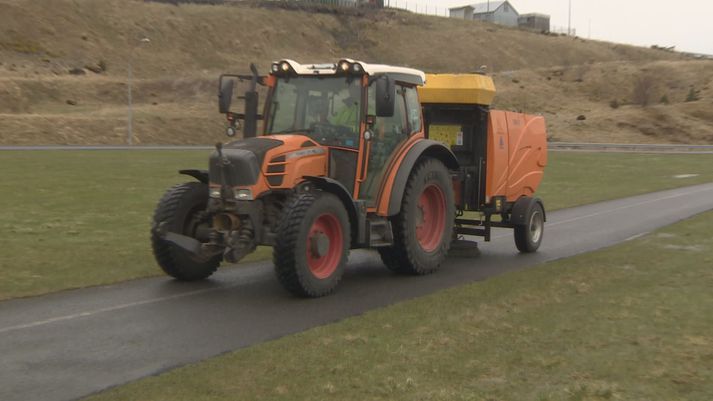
(457, 89)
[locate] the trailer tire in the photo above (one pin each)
(528, 236)
(180, 210)
(312, 244)
(423, 229)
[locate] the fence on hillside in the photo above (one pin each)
(414, 6)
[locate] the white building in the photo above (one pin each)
(497, 12)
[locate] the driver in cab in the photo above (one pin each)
(347, 115)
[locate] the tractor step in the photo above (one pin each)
(380, 232)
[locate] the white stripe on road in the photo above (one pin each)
(109, 309)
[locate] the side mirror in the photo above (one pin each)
(225, 94)
(385, 96)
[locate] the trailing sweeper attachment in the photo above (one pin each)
(501, 157)
(349, 157)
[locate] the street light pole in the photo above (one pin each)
(569, 21)
(129, 130)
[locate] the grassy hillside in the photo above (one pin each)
(174, 88)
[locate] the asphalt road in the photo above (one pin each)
(70, 344)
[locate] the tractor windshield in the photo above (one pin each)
(327, 109)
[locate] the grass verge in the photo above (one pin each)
(631, 322)
(71, 219)
(76, 218)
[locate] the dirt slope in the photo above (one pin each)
(174, 86)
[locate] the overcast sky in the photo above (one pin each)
(686, 24)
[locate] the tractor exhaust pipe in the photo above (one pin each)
(251, 106)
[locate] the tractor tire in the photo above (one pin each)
(528, 236)
(312, 244)
(180, 210)
(423, 229)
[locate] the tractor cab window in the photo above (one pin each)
(413, 107)
(389, 133)
(327, 109)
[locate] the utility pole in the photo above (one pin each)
(129, 130)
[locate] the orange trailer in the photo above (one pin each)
(501, 155)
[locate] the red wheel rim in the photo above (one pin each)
(323, 257)
(431, 218)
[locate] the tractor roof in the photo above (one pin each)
(408, 74)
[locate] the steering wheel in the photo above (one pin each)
(329, 134)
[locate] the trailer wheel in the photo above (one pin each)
(528, 236)
(424, 227)
(181, 210)
(312, 244)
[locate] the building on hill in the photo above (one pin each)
(497, 12)
(534, 21)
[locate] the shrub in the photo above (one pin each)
(614, 104)
(664, 99)
(693, 95)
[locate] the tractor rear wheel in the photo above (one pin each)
(182, 210)
(424, 228)
(528, 236)
(312, 244)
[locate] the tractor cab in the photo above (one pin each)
(354, 114)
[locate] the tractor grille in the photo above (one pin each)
(276, 171)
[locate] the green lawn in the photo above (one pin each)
(631, 322)
(574, 178)
(76, 218)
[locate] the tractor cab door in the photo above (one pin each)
(389, 133)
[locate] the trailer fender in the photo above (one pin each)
(200, 175)
(357, 217)
(521, 207)
(422, 149)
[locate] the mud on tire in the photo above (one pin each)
(424, 228)
(180, 211)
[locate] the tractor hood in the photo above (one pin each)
(244, 157)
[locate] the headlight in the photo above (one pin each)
(215, 193)
(244, 194)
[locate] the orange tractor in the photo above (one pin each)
(354, 155)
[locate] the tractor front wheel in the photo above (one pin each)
(312, 244)
(424, 228)
(182, 210)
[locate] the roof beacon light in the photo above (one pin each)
(285, 66)
(356, 68)
(275, 68)
(344, 66)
